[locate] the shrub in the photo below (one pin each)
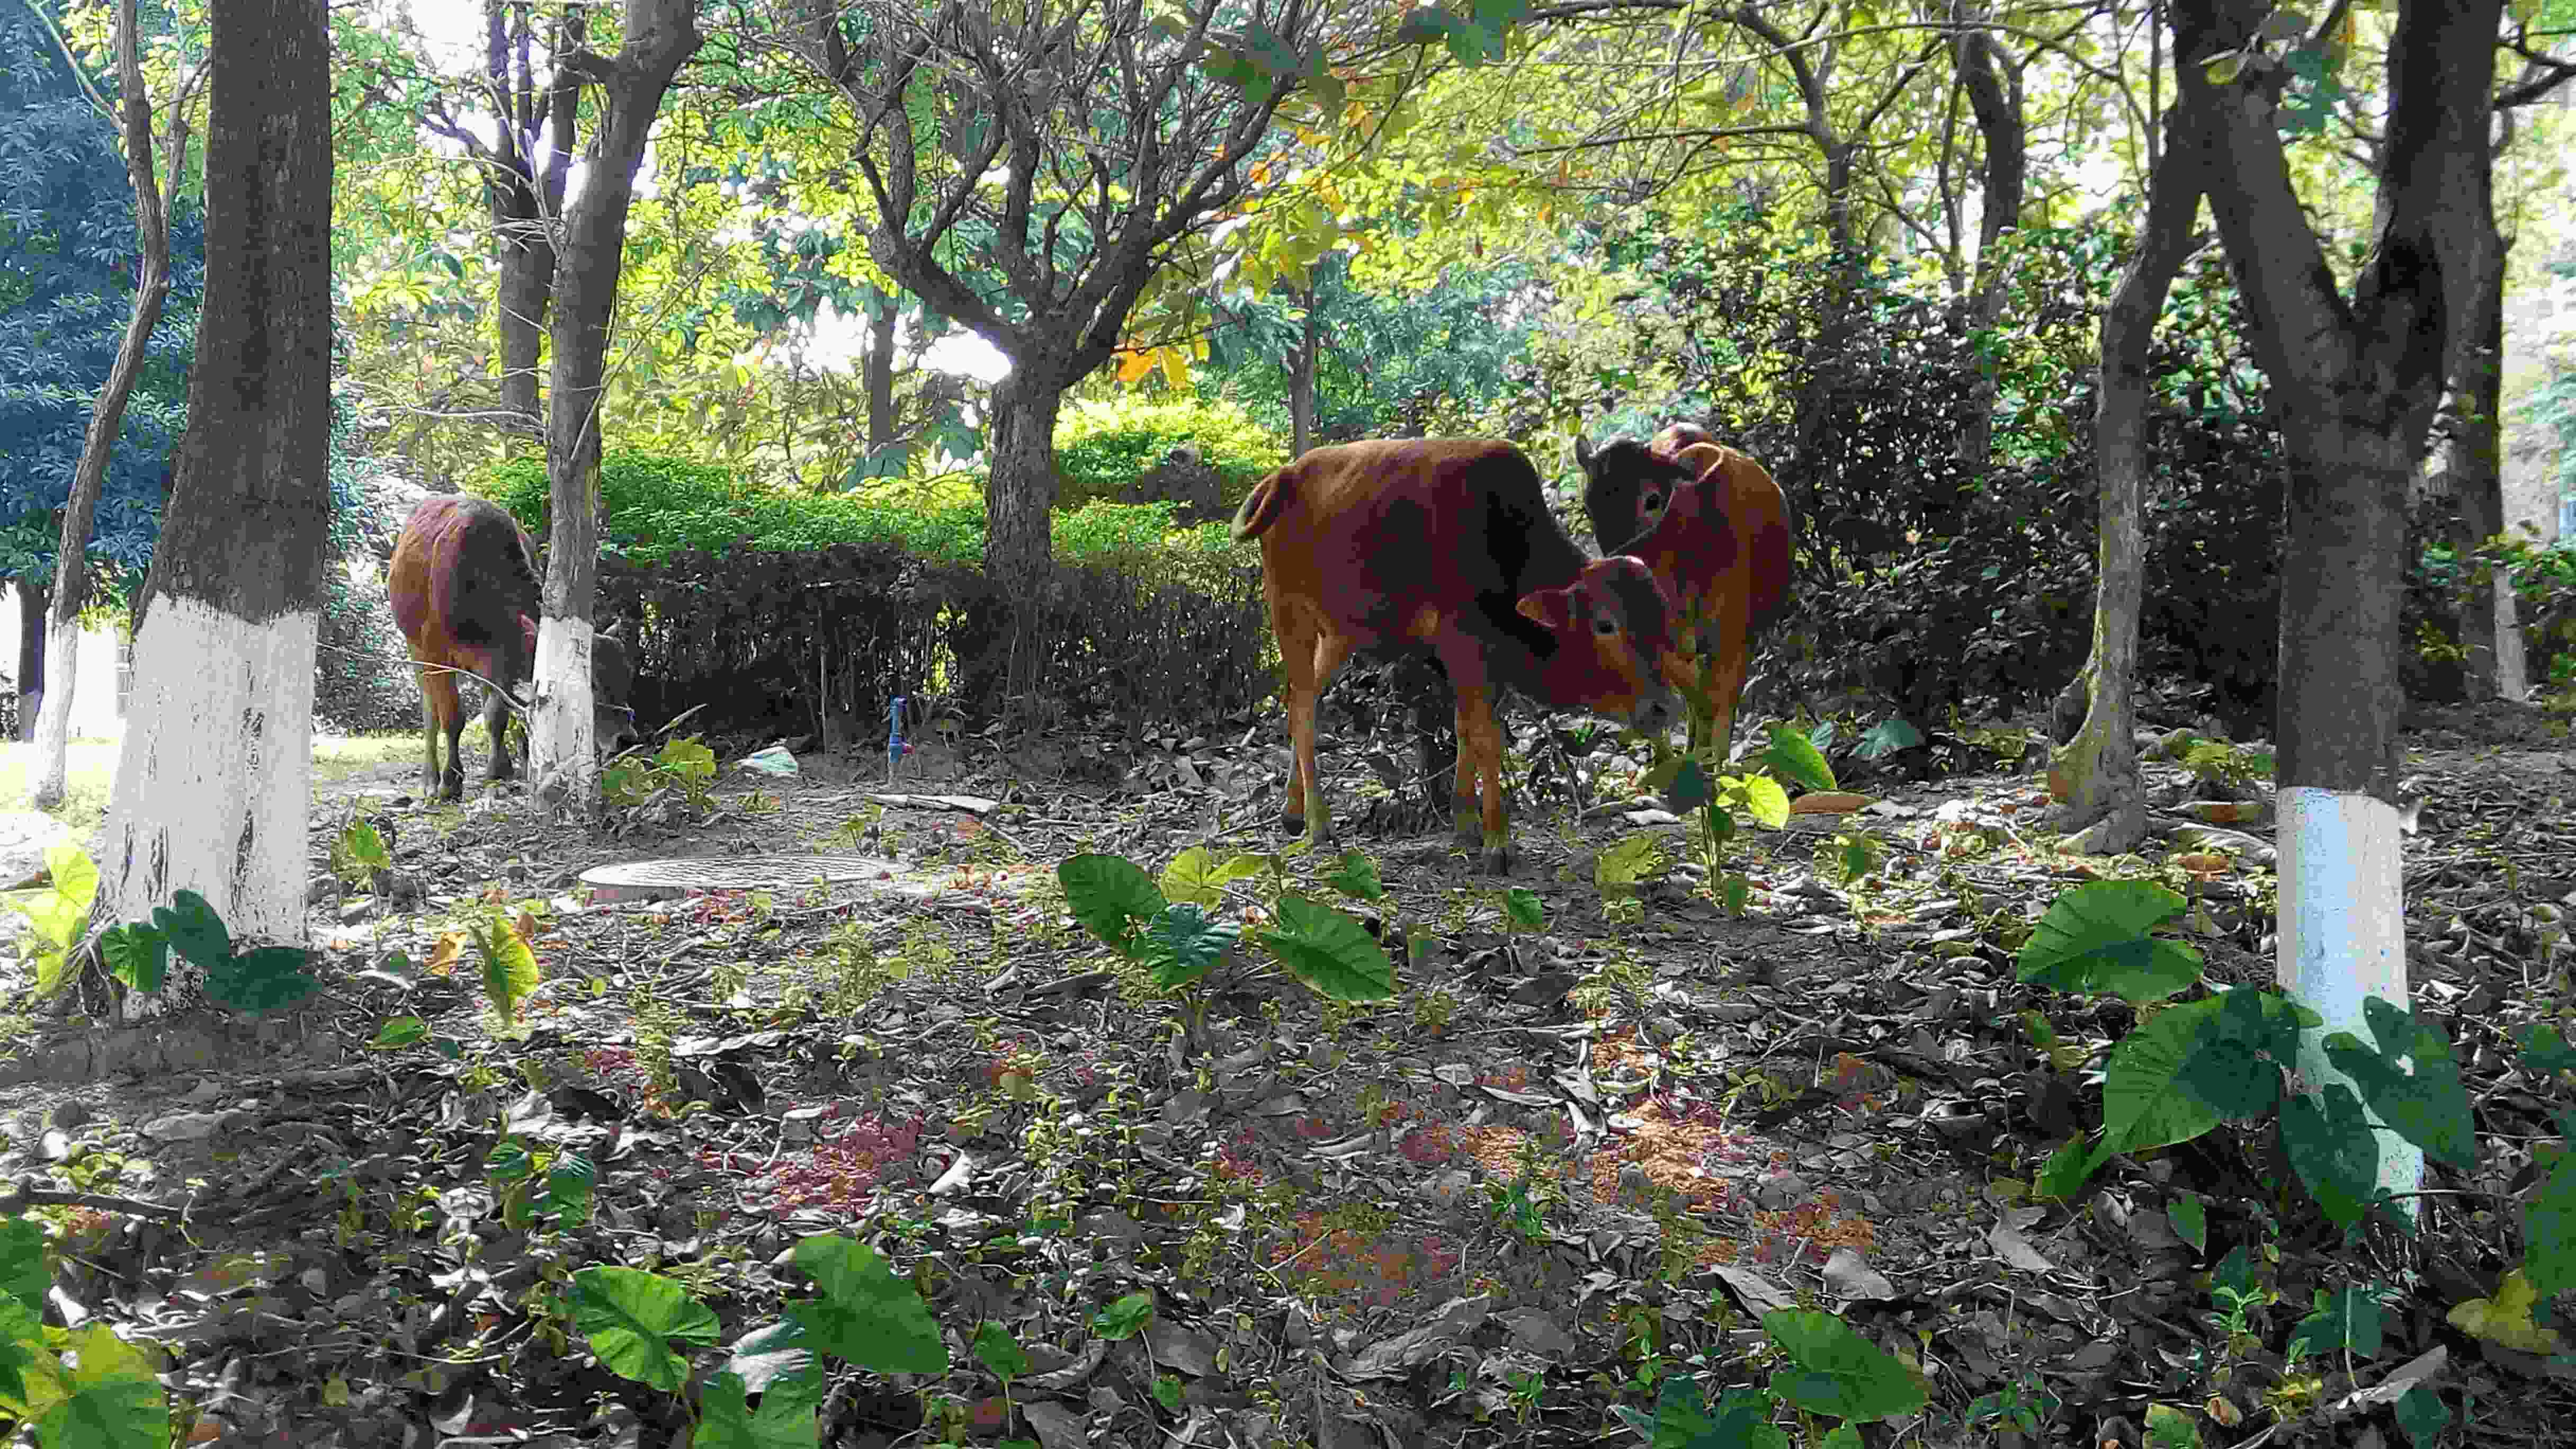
(1102, 448)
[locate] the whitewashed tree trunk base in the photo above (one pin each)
(2343, 936)
(54, 715)
(219, 741)
(563, 758)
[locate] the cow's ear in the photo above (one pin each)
(1699, 458)
(1553, 608)
(1583, 452)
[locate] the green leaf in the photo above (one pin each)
(2234, 1275)
(2067, 1170)
(866, 1314)
(1837, 1371)
(2426, 1105)
(193, 929)
(1524, 909)
(1886, 738)
(2170, 1428)
(1125, 1318)
(1357, 878)
(2094, 938)
(1111, 897)
(1330, 952)
(1765, 799)
(2422, 1414)
(1690, 788)
(23, 1275)
(365, 846)
(568, 1198)
(2190, 1219)
(510, 972)
(2348, 1320)
(268, 978)
(633, 1320)
(399, 1032)
(136, 954)
(2236, 1059)
(507, 1162)
(1798, 758)
(2544, 1049)
(1186, 879)
(997, 1350)
(2549, 1230)
(59, 909)
(1183, 945)
(729, 1422)
(114, 1396)
(689, 759)
(1631, 860)
(1240, 867)
(774, 1362)
(2143, 1102)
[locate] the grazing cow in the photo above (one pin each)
(1445, 547)
(464, 586)
(1714, 527)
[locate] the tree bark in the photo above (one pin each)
(107, 416)
(1301, 377)
(1994, 94)
(660, 35)
(214, 777)
(32, 608)
(2355, 383)
(523, 186)
(2472, 462)
(2095, 775)
(880, 373)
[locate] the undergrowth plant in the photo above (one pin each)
(685, 768)
(1759, 792)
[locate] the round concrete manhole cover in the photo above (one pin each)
(635, 880)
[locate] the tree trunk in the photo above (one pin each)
(33, 598)
(660, 36)
(2355, 383)
(107, 417)
(1301, 378)
(2472, 467)
(1995, 96)
(2095, 775)
(880, 373)
(215, 775)
(1019, 499)
(523, 188)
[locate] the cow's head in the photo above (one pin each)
(1626, 485)
(1615, 649)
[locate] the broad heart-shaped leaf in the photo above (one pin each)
(114, 1398)
(268, 978)
(1524, 909)
(1357, 878)
(866, 1314)
(136, 954)
(1690, 788)
(1763, 798)
(2190, 1219)
(2094, 938)
(997, 1350)
(2236, 1059)
(1681, 1417)
(2347, 1320)
(2067, 1169)
(20, 1331)
(2544, 1049)
(399, 1032)
(59, 909)
(2143, 1103)
(2427, 1106)
(2549, 1230)
(193, 928)
(1837, 1371)
(1330, 952)
(568, 1195)
(2171, 1428)
(1125, 1318)
(2423, 1415)
(2334, 1152)
(632, 1318)
(729, 1421)
(22, 1263)
(1797, 758)
(774, 1362)
(1183, 945)
(1110, 895)
(1247, 864)
(1189, 878)
(2506, 1318)
(1887, 737)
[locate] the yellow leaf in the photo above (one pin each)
(449, 950)
(2506, 1318)
(1176, 367)
(1132, 366)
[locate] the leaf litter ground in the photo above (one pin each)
(1561, 1164)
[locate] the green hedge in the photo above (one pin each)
(1102, 448)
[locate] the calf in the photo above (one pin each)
(1714, 527)
(464, 587)
(1445, 547)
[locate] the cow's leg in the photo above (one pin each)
(1725, 651)
(1480, 770)
(441, 713)
(496, 722)
(1322, 650)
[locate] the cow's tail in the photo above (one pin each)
(1261, 507)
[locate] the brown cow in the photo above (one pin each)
(1445, 547)
(1714, 527)
(464, 587)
